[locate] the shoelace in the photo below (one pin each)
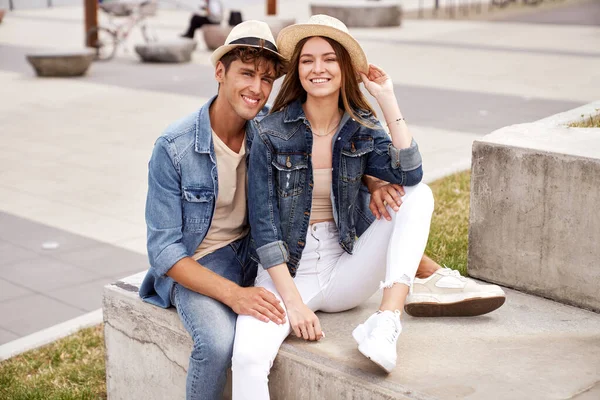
(387, 328)
(455, 273)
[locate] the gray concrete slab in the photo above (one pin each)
(105, 260)
(531, 348)
(44, 274)
(86, 296)
(6, 336)
(13, 253)
(587, 13)
(10, 291)
(30, 235)
(40, 288)
(30, 314)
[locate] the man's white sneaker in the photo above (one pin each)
(377, 338)
(448, 294)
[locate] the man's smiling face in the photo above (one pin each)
(246, 86)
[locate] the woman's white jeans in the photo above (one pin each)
(331, 280)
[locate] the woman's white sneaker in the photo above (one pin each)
(377, 338)
(448, 294)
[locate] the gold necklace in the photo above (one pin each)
(328, 133)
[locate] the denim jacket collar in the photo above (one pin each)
(203, 140)
(294, 112)
(203, 129)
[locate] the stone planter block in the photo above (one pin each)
(64, 64)
(534, 220)
(215, 35)
(176, 51)
(361, 14)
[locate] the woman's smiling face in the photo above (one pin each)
(318, 69)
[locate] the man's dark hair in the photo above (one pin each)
(257, 55)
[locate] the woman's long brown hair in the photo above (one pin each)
(351, 98)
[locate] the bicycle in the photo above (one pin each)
(107, 40)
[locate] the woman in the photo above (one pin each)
(305, 172)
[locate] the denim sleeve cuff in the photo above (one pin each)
(406, 159)
(168, 257)
(273, 254)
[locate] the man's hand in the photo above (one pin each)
(259, 303)
(385, 193)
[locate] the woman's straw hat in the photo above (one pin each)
(250, 33)
(323, 25)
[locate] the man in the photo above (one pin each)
(213, 14)
(196, 210)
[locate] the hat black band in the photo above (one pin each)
(256, 42)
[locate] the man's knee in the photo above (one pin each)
(215, 349)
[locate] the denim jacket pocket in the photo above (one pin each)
(354, 158)
(290, 170)
(197, 209)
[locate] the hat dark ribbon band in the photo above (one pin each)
(256, 42)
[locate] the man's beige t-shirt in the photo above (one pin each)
(230, 221)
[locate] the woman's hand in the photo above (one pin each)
(304, 322)
(377, 82)
(385, 194)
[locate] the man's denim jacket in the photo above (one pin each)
(182, 189)
(280, 180)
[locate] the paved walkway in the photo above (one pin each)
(74, 152)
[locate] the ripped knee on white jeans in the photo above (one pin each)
(404, 279)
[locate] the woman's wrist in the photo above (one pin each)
(386, 97)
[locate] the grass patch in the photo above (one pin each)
(448, 239)
(68, 369)
(73, 368)
(593, 121)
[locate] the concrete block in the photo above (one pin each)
(361, 14)
(61, 63)
(530, 348)
(534, 221)
(174, 51)
(215, 35)
(277, 24)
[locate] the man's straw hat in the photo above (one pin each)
(323, 25)
(250, 33)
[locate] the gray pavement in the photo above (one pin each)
(42, 287)
(586, 13)
(73, 153)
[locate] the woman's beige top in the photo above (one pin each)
(230, 221)
(321, 198)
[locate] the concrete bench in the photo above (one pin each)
(531, 346)
(173, 51)
(61, 63)
(534, 223)
(215, 35)
(361, 14)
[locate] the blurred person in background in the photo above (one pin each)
(212, 13)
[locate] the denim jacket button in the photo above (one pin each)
(288, 164)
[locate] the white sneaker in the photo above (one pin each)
(448, 294)
(377, 338)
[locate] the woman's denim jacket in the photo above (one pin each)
(182, 188)
(280, 180)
